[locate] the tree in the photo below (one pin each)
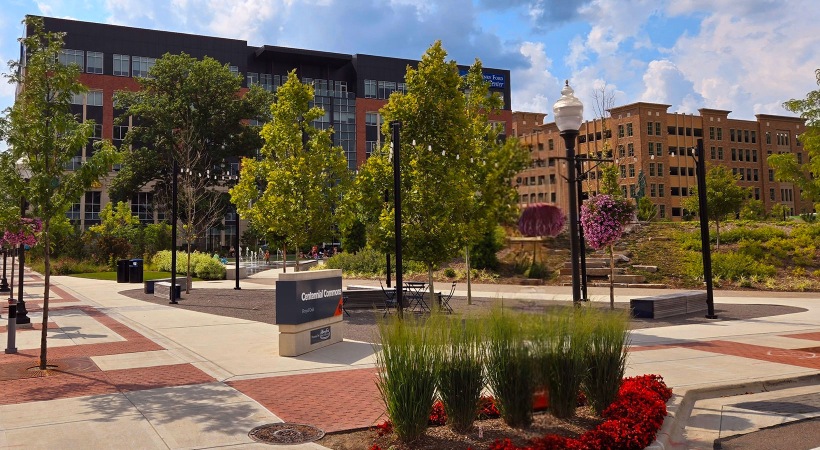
(191, 112)
(603, 218)
(753, 209)
(786, 168)
(723, 196)
(44, 136)
(540, 219)
(116, 234)
(301, 174)
(454, 173)
(646, 210)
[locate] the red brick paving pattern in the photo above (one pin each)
(331, 401)
(758, 352)
(808, 336)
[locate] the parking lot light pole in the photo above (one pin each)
(569, 113)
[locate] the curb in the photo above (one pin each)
(671, 433)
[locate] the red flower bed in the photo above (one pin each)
(632, 422)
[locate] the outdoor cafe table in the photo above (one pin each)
(415, 294)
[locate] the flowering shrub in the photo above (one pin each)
(632, 421)
(24, 233)
(541, 219)
(487, 408)
(603, 218)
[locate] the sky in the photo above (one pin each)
(746, 56)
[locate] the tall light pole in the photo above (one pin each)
(396, 142)
(569, 113)
(173, 290)
(703, 214)
(4, 283)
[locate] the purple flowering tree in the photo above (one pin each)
(23, 232)
(603, 219)
(540, 219)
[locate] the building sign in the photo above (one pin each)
(496, 81)
(319, 335)
(301, 301)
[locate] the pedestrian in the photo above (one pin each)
(267, 257)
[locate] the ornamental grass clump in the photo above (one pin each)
(561, 345)
(509, 366)
(460, 374)
(605, 357)
(407, 360)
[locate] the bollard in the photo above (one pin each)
(11, 346)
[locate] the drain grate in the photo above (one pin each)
(286, 433)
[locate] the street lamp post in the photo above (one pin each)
(396, 138)
(706, 250)
(173, 290)
(569, 113)
(4, 283)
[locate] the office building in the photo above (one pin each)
(650, 147)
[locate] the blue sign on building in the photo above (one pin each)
(496, 81)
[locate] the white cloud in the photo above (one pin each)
(751, 57)
(665, 83)
(534, 88)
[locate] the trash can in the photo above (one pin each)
(122, 270)
(135, 271)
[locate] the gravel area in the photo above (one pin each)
(259, 305)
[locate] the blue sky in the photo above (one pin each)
(747, 56)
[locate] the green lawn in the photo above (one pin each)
(112, 276)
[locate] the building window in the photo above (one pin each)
(754, 137)
(95, 98)
(712, 133)
(369, 88)
(234, 70)
(401, 87)
(756, 175)
(621, 151)
(732, 134)
(94, 62)
(740, 154)
(141, 207)
(620, 131)
(719, 133)
(649, 128)
(630, 149)
(629, 129)
(660, 169)
(713, 153)
(632, 170)
(651, 169)
(632, 190)
(771, 194)
(657, 128)
(652, 149)
(551, 144)
(122, 65)
(746, 136)
(734, 154)
(73, 213)
(720, 153)
(140, 66)
(77, 99)
(653, 190)
(251, 78)
(662, 211)
(92, 207)
(660, 190)
(757, 193)
(386, 88)
(623, 171)
(68, 56)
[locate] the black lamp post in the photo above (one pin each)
(703, 215)
(569, 113)
(173, 290)
(396, 127)
(387, 255)
(4, 283)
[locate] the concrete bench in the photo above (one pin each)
(668, 305)
(149, 284)
(162, 289)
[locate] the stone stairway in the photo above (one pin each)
(598, 272)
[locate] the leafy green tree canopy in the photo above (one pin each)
(723, 196)
(185, 105)
(294, 188)
(807, 175)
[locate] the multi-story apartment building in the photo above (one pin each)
(651, 148)
(351, 89)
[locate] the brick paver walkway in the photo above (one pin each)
(331, 401)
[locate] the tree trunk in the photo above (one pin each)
(297, 258)
(612, 277)
(11, 280)
(284, 258)
(469, 284)
(717, 236)
(188, 271)
(47, 264)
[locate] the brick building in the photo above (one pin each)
(351, 89)
(649, 146)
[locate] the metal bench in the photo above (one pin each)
(668, 305)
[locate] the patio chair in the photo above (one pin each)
(389, 299)
(445, 300)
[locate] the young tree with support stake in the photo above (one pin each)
(294, 189)
(44, 136)
(723, 196)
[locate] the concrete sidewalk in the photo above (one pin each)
(140, 375)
